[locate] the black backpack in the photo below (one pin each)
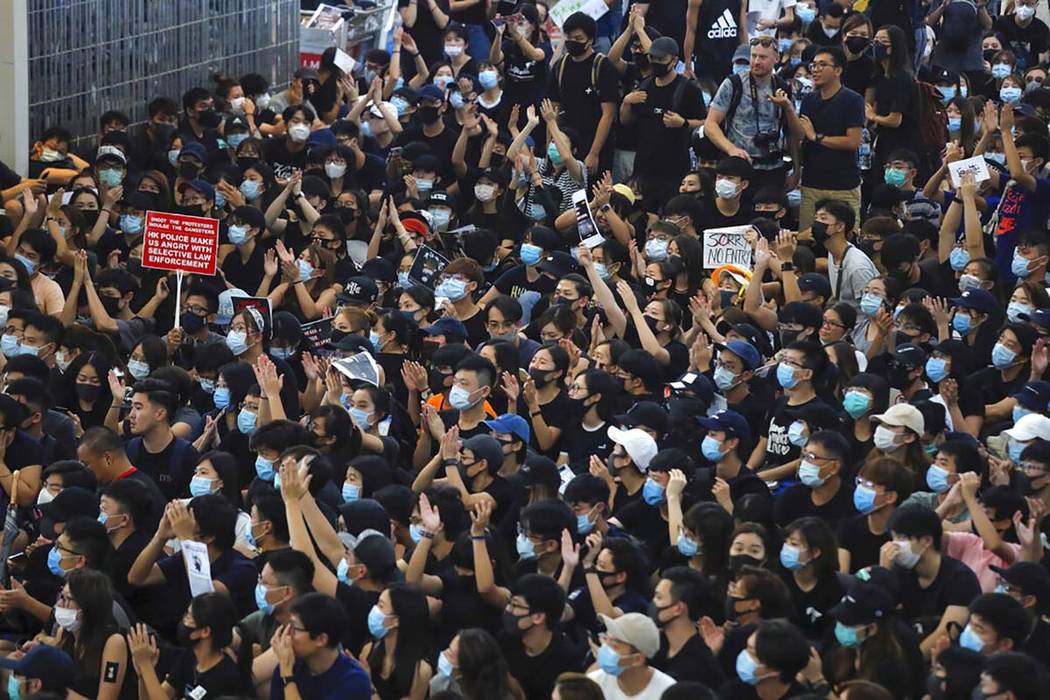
(959, 25)
(738, 93)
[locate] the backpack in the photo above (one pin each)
(599, 57)
(959, 25)
(737, 84)
(933, 119)
(676, 96)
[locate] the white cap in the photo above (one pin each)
(639, 444)
(635, 629)
(1030, 427)
(903, 415)
(111, 151)
(225, 314)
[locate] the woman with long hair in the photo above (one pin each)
(86, 630)
(397, 657)
(473, 666)
(87, 388)
(204, 633)
(809, 557)
(895, 109)
(307, 288)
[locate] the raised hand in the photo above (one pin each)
(480, 517)
(429, 516)
(570, 551)
(511, 387)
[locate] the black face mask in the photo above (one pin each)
(437, 382)
(111, 305)
(898, 377)
(195, 210)
(510, 624)
(989, 54)
(539, 377)
(788, 337)
(881, 51)
(731, 613)
(162, 134)
(900, 339)
(247, 161)
(738, 561)
(575, 48)
(727, 296)
(660, 69)
(182, 635)
(820, 231)
(653, 324)
(209, 118)
(88, 393)
(188, 170)
(429, 115)
(868, 248)
(191, 323)
(641, 59)
(857, 44)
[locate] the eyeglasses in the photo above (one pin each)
(833, 324)
(765, 41)
(814, 65)
(814, 457)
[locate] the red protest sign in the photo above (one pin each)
(180, 242)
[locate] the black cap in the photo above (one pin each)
(540, 470)
(808, 315)
(73, 502)
(376, 552)
(648, 414)
(558, 263)
(863, 604)
(359, 290)
(379, 269)
(364, 514)
(911, 356)
(816, 283)
(1031, 577)
(663, 47)
(485, 447)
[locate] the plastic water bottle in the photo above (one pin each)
(864, 152)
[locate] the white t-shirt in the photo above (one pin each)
(765, 9)
(611, 689)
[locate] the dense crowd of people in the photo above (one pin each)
(469, 409)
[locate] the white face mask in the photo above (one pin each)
(885, 439)
(334, 170)
(67, 618)
(906, 557)
(44, 496)
(299, 132)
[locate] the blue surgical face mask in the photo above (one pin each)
(958, 258)
(584, 524)
(1000, 70)
(847, 636)
(653, 492)
(786, 376)
(238, 235)
(439, 218)
(969, 640)
(687, 546)
(403, 280)
(360, 418)
(1018, 266)
(138, 369)
(856, 403)
(376, 618)
(1002, 356)
(342, 571)
(445, 667)
(28, 264)
(961, 322)
(1014, 310)
(456, 100)
(251, 189)
(526, 547)
(246, 422)
(264, 468)
(947, 93)
(870, 304)
(1015, 449)
(609, 660)
(601, 270)
(351, 492)
(741, 69)
(201, 486)
(809, 474)
(797, 433)
(459, 398)
(260, 599)
(221, 397)
(131, 225)
(724, 379)
(281, 353)
(237, 342)
(806, 14)
(9, 345)
(864, 499)
(937, 479)
(711, 449)
(488, 79)
(110, 177)
(1010, 95)
(967, 281)
(530, 254)
(306, 269)
(790, 557)
(554, 155)
(656, 249)
(936, 369)
(746, 667)
(236, 140)
(954, 124)
(54, 559)
(453, 288)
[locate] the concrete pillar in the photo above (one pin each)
(14, 85)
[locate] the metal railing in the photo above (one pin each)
(90, 56)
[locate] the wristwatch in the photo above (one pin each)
(285, 680)
(820, 137)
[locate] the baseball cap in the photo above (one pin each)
(1034, 396)
(510, 423)
(43, 661)
(863, 604)
(911, 356)
(1029, 427)
(816, 283)
(558, 263)
(976, 299)
(623, 189)
(485, 447)
(110, 153)
(639, 444)
(635, 629)
(745, 351)
(380, 269)
(364, 514)
(359, 290)
(74, 502)
(749, 332)
(742, 54)
(539, 470)
(194, 149)
(906, 415)
(645, 413)
(1040, 317)
(938, 74)
(406, 93)
(376, 551)
(695, 383)
(728, 422)
(818, 416)
(665, 46)
(198, 185)
(441, 198)
(431, 92)
(447, 326)
(808, 315)
(1031, 577)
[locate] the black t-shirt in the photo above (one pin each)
(955, 584)
(581, 98)
(666, 151)
(736, 689)
(357, 603)
(581, 442)
(557, 413)
(233, 569)
(863, 545)
(693, 662)
(712, 217)
(796, 502)
(156, 496)
(826, 168)
(283, 160)
(525, 80)
(222, 679)
(859, 74)
(246, 275)
(896, 94)
(441, 146)
(536, 674)
(1027, 43)
(172, 478)
(988, 384)
(645, 522)
(811, 607)
(515, 282)
(779, 449)
(753, 408)
(429, 38)
(717, 36)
